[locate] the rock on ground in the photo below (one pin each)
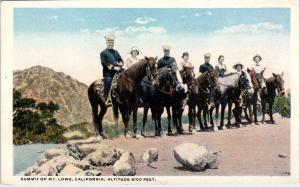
(103, 156)
(71, 170)
(195, 157)
(150, 155)
(90, 140)
(54, 152)
(75, 152)
(125, 166)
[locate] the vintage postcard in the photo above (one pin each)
(142, 92)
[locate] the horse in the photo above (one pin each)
(230, 88)
(250, 100)
(169, 93)
(273, 84)
(199, 94)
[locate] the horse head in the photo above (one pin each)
(260, 79)
(151, 70)
(213, 76)
(279, 83)
(245, 83)
(254, 81)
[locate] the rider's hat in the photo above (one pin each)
(135, 48)
(238, 64)
(166, 47)
(207, 55)
(110, 37)
(257, 56)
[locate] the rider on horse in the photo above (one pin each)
(112, 64)
(239, 69)
(166, 59)
(222, 67)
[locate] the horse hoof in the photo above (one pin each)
(139, 136)
(216, 129)
(252, 124)
(170, 133)
(257, 123)
(103, 135)
(128, 136)
(224, 127)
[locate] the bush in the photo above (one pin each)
(282, 105)
(35, 122)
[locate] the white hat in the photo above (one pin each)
(134, 48)
(110, 37)
(207, 55)
(166, 47)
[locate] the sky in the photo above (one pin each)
(70, 39)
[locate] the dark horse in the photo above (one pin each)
(230, 88)
(250, 100)
(128, 84)
(128, 92)
(169, 93)
(273, 84)
(200, 90)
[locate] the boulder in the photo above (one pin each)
(92, 173)
(194, 156)
(103, 156)
(54, 152)
(150, 155)
(55, 165)
(75, 152)
(71, 170)
(125, 166)
(90, 140)
(211, 160)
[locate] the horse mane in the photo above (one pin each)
(136, 69)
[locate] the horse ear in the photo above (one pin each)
(282, 74)
(156, 57)
(146, 58)
(248, 70)
(274, 75)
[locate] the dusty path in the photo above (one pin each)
(250, 150)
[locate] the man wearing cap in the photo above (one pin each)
(206, 66)
(112, 63)
(166, 60)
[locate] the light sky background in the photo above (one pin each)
(71, 39)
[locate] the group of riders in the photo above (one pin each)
(113, 65)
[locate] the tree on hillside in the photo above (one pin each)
(35, 122)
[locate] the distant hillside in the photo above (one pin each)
(45, 84)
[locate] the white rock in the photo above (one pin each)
(125, 166)
(92, 173)
(90, 140)
(103, 156)
(71, 170)
(150, 155)
(190, 155)
(54, 152)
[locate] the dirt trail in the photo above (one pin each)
(250, 150)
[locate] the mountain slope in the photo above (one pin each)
(44, 84)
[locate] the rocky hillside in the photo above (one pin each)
(45, 84)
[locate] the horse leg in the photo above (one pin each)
(125, 118)
(229, 114)
(271, 112)
(190, 115)
(115, 109)
(255, 110)
(169, 120)
(217, 117)
(263, 107)
(199, 118)
(214, 126)
(237, 113)
(205, 112)
(146, 108)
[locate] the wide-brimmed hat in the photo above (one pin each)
(134, 48)
(166, 47)
(257, 56)
(238, 64)
(110, 37)
(185, 54)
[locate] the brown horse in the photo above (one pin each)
(128, 92)
(273, 84)
(250, 100)
(200, 97)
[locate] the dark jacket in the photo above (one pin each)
(205, 67)
(109, 57)
(164, 61)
